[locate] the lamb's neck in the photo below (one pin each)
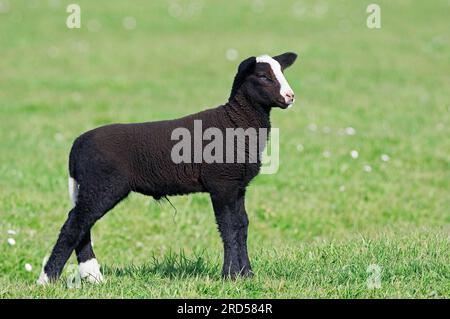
(243, 113)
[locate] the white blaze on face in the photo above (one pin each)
(285, 89)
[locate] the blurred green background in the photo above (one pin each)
(316, 226)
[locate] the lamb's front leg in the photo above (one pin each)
(246, 269)
(225, 206)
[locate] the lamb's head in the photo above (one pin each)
(262, 81)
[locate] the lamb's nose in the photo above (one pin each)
(290, 95)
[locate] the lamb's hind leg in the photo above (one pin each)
(76, 226)
(91, 205)
(87, 263)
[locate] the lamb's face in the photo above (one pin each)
(264, 82)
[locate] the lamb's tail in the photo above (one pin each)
(73, 184)
(73, 190)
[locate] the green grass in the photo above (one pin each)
(317, 225)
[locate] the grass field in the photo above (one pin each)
(321, 227)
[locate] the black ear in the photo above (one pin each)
(286, 59)
(245, 68)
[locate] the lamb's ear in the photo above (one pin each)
(286, 59)
(247, 65)
(245, 68)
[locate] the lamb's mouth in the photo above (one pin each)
(283, 105)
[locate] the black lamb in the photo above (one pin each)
(109, 162)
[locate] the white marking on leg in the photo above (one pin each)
(285, 89)
(90, 270)
(42, 280)
(73, 190)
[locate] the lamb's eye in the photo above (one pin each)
(264, 77)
